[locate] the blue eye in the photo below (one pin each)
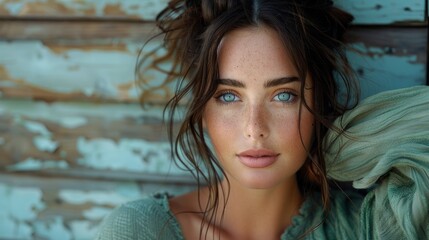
(284, 97)
(228, 97)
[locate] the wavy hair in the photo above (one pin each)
(312, 33)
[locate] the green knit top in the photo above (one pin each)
(385, 152)
(151, 218)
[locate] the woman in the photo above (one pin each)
(258, 78)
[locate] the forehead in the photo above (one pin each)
(254, 52)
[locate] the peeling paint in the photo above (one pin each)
(58, 111)
(18, 205)
(366, 11)
(96, 213)
(72, 121)
(83, 229)
(370, 63)
(52, 229)
(98, 70)
(384, 12)
(98, 197)
(45, 144)
(35, 164)
(91, 72)
(36, 127)
(133, 8)
(128, 154)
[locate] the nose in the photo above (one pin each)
(256, 122)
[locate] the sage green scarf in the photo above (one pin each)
(386, 150)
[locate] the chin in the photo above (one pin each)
(260, 181)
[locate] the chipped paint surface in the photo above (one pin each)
(61, 112)
(384, 12)
(35, 164)
(39, 208)
(88, 71)
(44, 141)
(127, 154)
(107, 137)
(72, 121)
(19, 205)
(96, 213)
(98, 197)
(45, 144)
(92, 72)
(374, 75)
(83, 229)
(37, 128)
(52, 229)
(366, 11)
(101, 8)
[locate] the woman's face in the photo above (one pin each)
(253, 118)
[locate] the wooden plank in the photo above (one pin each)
(88, 71)
(388, 58)
(35, 207)
(117, 141)
(104, 9)
(370, 12)
(46, 30)
(365, 11)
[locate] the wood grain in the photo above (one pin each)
(101, 9)
(107, 138)
(76, 70)
(85, 30)
(365, 11)
(38, 207)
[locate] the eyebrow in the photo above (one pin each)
(267, 84)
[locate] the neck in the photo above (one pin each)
(258, 213)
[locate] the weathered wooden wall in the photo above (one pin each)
(74, 142)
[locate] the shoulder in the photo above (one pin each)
(148, 218)
(340, 221)
(343, 217)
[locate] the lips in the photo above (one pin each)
(258, 158)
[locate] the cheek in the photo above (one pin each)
(289, 133)
(221, 127)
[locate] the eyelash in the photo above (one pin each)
(218, 96)
(292, 97)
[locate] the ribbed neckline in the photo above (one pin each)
(302, 221)
(298, 224)
(162, 200)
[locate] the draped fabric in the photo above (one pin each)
(386, 151)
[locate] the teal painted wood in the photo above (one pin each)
(42, 208)
(388, 58)
(134, 9)
(89, 137)
(365, 11)
(85, 70)
(379, 72)
(384, 11)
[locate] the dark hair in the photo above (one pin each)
(312, 33)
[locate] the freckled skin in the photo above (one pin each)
(257, 120)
